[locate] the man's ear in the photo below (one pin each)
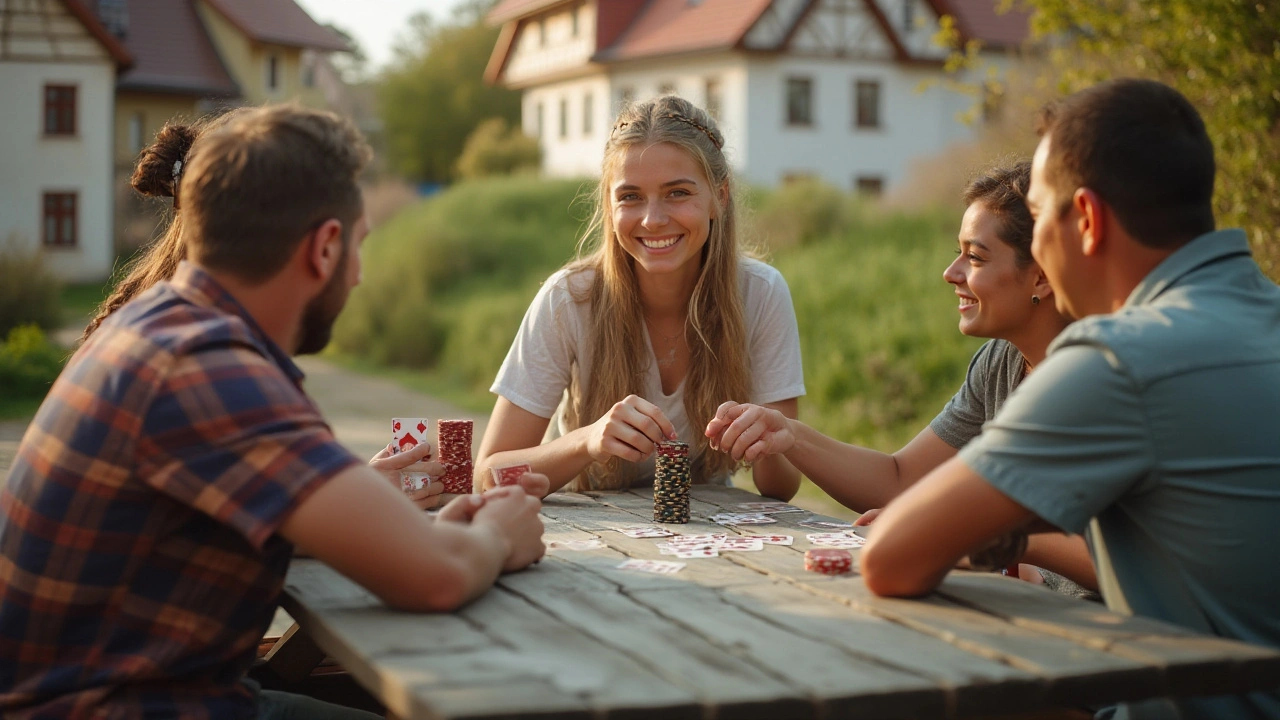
(1092, 211)
(323, 249)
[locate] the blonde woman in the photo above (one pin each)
(659, 321)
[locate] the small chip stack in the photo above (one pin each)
(671, 483)
(828, 561)
(454, 438)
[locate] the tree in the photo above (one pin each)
(495, 149)
(1224, 55)
(435, 94)
(352, 65)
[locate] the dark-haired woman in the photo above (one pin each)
(1003, 295)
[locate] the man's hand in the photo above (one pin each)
(513, 515)
(749, 432)
(418, 460)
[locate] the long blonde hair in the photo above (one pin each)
(715, 331)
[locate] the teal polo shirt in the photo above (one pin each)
(1156, 429)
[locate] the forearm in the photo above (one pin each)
(467, 561)
(1066, 555)
(857, 477)
(775, 477)
(561, 460)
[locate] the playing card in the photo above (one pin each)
(819, 521)
(771, 539)
(657, 567)
(739, 544)
(741, 519)
(711, 538)
(576, 545)
(837, 540)
(767, 508)
(645, 531)
(671, 548)
(509, 474)
(698, 553)
(407, 434)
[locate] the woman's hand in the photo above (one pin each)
(418, 460)
(749, 432)
(867, 517)
(630, 431)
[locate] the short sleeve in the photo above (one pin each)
(961, 419)
(1070, 441)
(537, 368)
(774, 337)
(230, 435)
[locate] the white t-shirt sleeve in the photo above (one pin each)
(537, 368)
(773, 338)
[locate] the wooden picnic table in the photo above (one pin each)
(746, 635)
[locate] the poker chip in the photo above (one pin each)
(828, 561)
(454, 440)
(671, 483)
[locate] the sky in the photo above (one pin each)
(374, 23)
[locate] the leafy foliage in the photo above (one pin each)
(435, 95)
(1224, 55)
(496, 149)
(29, 363)
(28, 290)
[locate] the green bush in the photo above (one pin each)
(494, 149)
(803, 211)
(29, 363)
(28, 290)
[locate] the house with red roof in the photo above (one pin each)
(58, 68)
(841, 90)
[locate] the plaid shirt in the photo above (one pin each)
(138, 551)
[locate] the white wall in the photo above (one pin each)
(31, 164)
(913, 124)
(578, 152)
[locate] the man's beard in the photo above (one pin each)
(323, 310)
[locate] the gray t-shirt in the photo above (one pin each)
(995, 370)
(552, 343)
(1155, 429)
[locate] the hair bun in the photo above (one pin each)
(153, 176)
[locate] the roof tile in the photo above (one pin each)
(280, 22)
(668, 27)
(173, 52)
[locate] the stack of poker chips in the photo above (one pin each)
(671, 483)
(454, 439)
(828, 561)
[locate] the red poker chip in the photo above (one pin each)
(828, 561)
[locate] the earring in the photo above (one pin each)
(1035, 299)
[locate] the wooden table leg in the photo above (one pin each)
(294, 656)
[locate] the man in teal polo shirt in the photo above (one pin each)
(1151, 426)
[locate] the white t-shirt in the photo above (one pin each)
(536, 372)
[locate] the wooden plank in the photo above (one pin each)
(844, 685)
(294, 655)
(971, 683)
(723, 682)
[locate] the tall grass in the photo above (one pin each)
(447, 281)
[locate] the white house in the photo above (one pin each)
(821, 88)
(58, 66)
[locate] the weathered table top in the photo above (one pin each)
(747, 635)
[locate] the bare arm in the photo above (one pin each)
(774, 475)
(629, 430)
(857, 477)
(1066, 555)
(369, 531)
(921, 535)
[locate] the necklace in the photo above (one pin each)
(669, 358)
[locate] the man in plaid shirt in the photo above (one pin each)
(150, 516)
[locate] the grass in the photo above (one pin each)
(19, 409)
(78, 302)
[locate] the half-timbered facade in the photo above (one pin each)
(58, 66)
(842, 90)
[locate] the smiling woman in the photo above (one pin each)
(661, 320)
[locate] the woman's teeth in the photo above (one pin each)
(659, 244)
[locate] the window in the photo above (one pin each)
(799, 101)
(60, 219)
(586, 114)
(542, 33)
(115, 16)
(869, 185)
(537, 122)
(309, 63)
(866, 111)
(59, 109)
(574, 14)
(564, 118)
(908, 14)
(136, 124)
(273, 73)
(667, 88)
(713, 97)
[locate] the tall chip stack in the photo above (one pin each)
(454, 438)
(671, 483)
